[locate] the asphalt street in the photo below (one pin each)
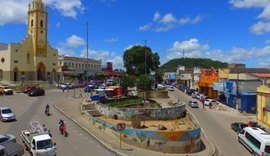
(29, 109)
(216, 125)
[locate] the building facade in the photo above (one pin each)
(33, 59)
(80, 66)
(263, 104)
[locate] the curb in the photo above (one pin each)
(86, 130)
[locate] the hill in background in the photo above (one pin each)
(172, 65)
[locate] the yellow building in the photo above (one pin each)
(33, 58)
(263, 104)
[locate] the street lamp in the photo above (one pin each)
(87, 62)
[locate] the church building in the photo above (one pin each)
(33, 59)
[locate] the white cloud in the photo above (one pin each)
(69, 8)
(145, 27)
(266, 13)
(111, 40)
(156, 16)
(168, 22)
(267, 41)
(168, 18)
(260, 28)
(74, 41)
(64, 51)
(249, 3)
(117, 62)
(188, 46)
(15, 11)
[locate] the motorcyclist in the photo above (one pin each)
(47, 109)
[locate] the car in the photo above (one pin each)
(170, 88)
(160, 86)
(238, 126)
(36, 92)
(7, 89)
(28, 89)
(7, 137)
(66, 86)
(193, 104)
(90, 88)
(6, 114)
(194, 94)
(208, 101)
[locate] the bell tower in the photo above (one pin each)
(38, 27)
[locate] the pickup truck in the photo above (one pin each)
(37, 141)
(11, 148)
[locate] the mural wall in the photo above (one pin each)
(157, 114)
(163, 141)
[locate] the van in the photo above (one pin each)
(255, 140)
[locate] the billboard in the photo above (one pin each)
(218, 86)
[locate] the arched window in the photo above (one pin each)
(41, 24)
(32, 23)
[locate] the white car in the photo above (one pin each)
(160, 86)
(6, 114)
(7, 89)
(208, 101)
(171, 88)
(193, 104)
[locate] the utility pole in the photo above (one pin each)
(183, 53)
(87, 61)
(145, 56)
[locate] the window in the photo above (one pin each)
(267, 149)
(253, 140)
(28, 58)
(32, 23)
(41, 24)
(2, 60)
(16, 61)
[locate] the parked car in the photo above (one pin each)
(6, 114)
(7, 89)
(90, 88)
(190, 91)
(66, 86)
(194, 94)
(238, 126)
(28, 89)
(160, 86)
(36, 92)
(171, 88)
(193, 104)
(7, 137)
(208, 101)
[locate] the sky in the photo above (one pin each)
(233, 31)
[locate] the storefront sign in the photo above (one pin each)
(218, 86)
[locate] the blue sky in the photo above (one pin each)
(235, 31)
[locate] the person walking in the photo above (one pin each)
(50, 134)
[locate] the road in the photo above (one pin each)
(28, 109)
(216, 125)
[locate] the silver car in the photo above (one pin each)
(7, 137)
(193, 104)
(6, 114)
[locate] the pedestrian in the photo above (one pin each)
(50, 134)
(80, 96)
(210, 105)
(148, 142)
(44, 128)
(63, 89)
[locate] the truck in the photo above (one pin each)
(37, 141)
(10, 148)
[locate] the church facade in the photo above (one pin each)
(33, 59)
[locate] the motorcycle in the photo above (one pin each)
(63, 130)
(47, 112)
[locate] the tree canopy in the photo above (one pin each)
(172, 65)
(134, 60)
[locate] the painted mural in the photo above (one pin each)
(163, 141)
(148, 114)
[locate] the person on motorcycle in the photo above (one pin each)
(47, 109)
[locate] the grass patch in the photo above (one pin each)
(124, 102)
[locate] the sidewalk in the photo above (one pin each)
(72, 109)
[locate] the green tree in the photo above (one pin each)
(134, 60)
(125, 82)
(145, 83)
